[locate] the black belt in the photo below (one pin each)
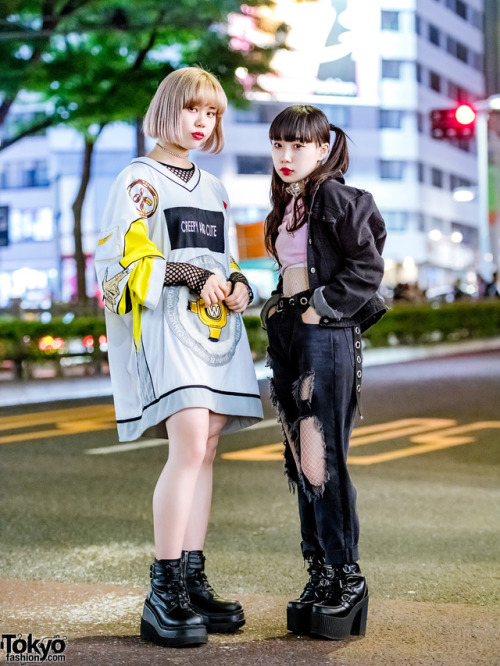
(299, 301)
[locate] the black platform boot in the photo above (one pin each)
(220, 615)
(168, 618)
(344, 609)
(298, 612)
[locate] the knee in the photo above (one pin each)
(193, 452)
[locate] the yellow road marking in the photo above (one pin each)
(423, 434)
(66, 421)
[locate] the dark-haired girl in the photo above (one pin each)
(327, 238)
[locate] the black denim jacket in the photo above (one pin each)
(345, 238)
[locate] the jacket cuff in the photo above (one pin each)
(319, 303)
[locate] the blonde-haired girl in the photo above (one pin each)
(179, 356)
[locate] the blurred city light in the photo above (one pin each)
(465, 114)
(464, 194)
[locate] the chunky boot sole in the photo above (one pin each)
(222, 623)
(298, 620)
(178, 637)
(338, 628)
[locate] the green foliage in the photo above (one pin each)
(99, 61)
(403, 325)
(423, 324)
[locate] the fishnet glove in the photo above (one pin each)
(239, 277)
(182, 274)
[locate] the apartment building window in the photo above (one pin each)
(476, 18)
(337, 115)
(18, 175)
(418, 24)
(461, 9)
(458, 181)
(418, 72)
(435, 81)
(477, 61)
(35, 224)
(392, 169)
(434, 35)
(391, 69)
(395, 220)
(462, 52)
(420, 122)
(437, 177)
(390, 118)
(421, 172)
(390, 20)
(451, 46)
(254, 164)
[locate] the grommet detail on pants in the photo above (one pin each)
(358, 388)
(358, 374)
(358, 359)
(357, 330)
(313, 270)
(358, 344)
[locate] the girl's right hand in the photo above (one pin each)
(214, 290)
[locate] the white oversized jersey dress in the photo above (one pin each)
(166, 350)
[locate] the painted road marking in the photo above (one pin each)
(423, 434)
(65, 421)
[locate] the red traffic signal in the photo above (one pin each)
(457, 123)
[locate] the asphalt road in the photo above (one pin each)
(75, 540)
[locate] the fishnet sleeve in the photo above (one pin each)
(182, 274)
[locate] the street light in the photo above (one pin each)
(487, 253)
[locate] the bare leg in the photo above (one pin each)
(202, 500)
(188, 432)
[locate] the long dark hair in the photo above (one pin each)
(305, 124)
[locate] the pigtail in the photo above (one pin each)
(338, 159)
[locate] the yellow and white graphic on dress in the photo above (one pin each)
(144, 196)
(138, 256)
(111, 288)
(215, 317)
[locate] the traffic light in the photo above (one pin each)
(457, 123)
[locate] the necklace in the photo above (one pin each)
(181, 157)
(296, 189)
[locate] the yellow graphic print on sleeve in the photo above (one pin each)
(140, 251)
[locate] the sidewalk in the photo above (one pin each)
(72, 388)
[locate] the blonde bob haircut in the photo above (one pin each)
(189, 86)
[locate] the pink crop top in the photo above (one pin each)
(291, 246)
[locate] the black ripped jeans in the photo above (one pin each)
(315, 387)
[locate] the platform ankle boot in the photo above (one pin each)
(221, 616)
(298, 611)
(168, 618)
(344, 608)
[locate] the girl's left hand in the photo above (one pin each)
(310, 316)
(238, 300)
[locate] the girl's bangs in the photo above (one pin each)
(292, 127)
(204, 92)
